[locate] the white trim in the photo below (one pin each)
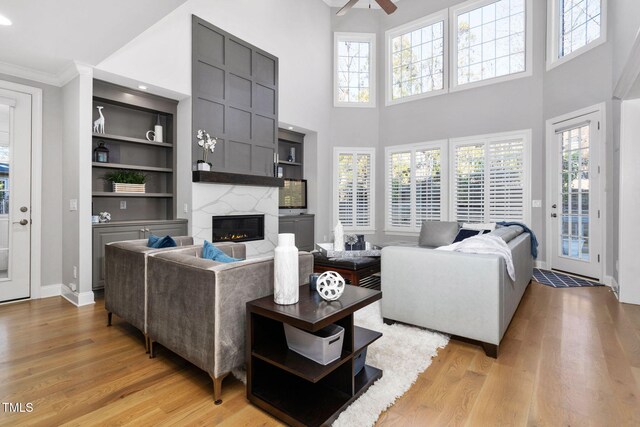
(372, 196)
(553, 35)
(551, 125)
(413, 229)
(526, 135)
(358, 37)
(540, 264)
(528, 48)
(36, 181)
(77, 299)
(51, 291)
(630, 73)
(58, 80)
(408, 27)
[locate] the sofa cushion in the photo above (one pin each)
(215, 254)
(465, 233)
(161, 242)
(437, 233)
(507, 233)
(489, 226)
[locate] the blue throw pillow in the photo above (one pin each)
(213, 253)
(158, 242)
(465, 234)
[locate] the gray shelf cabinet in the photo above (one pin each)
(128, 230)
(287, 140)
(303, 226)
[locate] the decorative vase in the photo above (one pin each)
(330, 285)
(338, 237)
(286, 286)
(157, 129)
(202, 166)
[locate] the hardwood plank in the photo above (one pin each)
(569, 358)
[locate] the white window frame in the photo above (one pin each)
(525, 135)
(372, 196)
(414, 229)
(553, 35)
(528, 56)
(408, 27)
(356, 37)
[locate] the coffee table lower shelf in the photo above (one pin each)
(301, 403)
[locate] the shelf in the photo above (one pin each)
(289, 141)
(284, 162)
(303, 367)
(134, 167)
(237, 179)
(112, 194)
(311, 405)
(132, 140)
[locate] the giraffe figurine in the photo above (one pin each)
(98, 125)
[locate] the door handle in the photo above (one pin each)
(22, 222)
(554, 215)
(554, 206)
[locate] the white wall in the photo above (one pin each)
(629, 202)
(297, 32)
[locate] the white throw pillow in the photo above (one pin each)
(479, 226)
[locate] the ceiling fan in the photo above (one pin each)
(386, 5)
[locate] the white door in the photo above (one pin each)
(575, 202)
(15, 195)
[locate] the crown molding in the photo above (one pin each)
(74, 69)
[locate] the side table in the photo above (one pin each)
(296, 389)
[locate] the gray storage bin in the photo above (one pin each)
(359, 361)
(324, 346)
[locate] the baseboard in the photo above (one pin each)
(608, 280)
(541, 264)
(615, 287)
(49, 291)
(77, 299)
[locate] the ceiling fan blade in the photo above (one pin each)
(346, 7)
(387, 6)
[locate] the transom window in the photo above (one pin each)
(417, 58)
(354, 79)
(491, 40)
(575, 26)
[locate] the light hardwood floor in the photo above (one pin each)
(570, 357)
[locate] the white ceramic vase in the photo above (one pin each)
(203, 166)
(286, 285)
(338, 237)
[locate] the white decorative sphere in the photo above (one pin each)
(330, 285)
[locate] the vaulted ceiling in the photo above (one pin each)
(47, 35)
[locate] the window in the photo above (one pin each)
(354, 196)
(354, 76)
(415, 190)
(575, 26)
(490, 178)
(417, 59)
(491, 42)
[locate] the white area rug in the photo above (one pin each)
(403, 352)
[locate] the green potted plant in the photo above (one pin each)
(127, 181)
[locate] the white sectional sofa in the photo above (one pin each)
(466, 295)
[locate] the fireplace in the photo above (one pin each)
(237, 228)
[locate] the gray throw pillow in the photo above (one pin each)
(437, 233)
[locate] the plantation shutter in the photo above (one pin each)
(506, 180)
(428, 182)
(469, 183)
(354, 176)
(399, 187)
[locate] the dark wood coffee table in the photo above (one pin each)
(291, 387)
(352, 269)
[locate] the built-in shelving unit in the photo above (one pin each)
(288, 139)
(129, 114)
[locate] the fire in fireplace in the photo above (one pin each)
(237, 228)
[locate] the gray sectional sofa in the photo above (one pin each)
(466, 295)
